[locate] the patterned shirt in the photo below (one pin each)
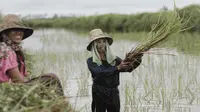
(8, 60)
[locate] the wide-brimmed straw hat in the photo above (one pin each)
(97, 34)
(12, 21)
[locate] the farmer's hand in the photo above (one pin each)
(123, 65)
(139, 56)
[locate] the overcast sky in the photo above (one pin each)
(86, 7)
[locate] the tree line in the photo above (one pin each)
(119, 22)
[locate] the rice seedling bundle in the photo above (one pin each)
(169, 23)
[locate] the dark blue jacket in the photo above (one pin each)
(107, 75)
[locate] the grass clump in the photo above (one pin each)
(26, 97)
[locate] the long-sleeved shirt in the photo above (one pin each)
(107, 75)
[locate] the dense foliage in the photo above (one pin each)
(118, 22)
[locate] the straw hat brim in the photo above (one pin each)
(27, 31)
(109, 39)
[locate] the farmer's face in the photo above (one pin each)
(16, 36)
(101, 45)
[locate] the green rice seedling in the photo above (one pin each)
(83, 86)
(180, 86)
(160, 32)
(191, 95)
(131, 102)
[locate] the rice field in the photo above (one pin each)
(166, 80)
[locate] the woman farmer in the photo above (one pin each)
(105, 68)
(12, 59)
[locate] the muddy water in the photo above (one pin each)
(162, 75)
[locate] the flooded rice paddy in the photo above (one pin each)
(166, 81)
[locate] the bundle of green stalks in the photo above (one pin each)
(31, 98)
(169, 23)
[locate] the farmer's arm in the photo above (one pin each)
(10, 67)
(15, 75)
(100, 71)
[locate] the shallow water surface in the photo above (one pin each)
(166, 81)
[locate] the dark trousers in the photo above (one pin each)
(105, 100)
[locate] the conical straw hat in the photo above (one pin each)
(12, 21)
(96, 34)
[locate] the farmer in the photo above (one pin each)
(12, 59)
(105, 68)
